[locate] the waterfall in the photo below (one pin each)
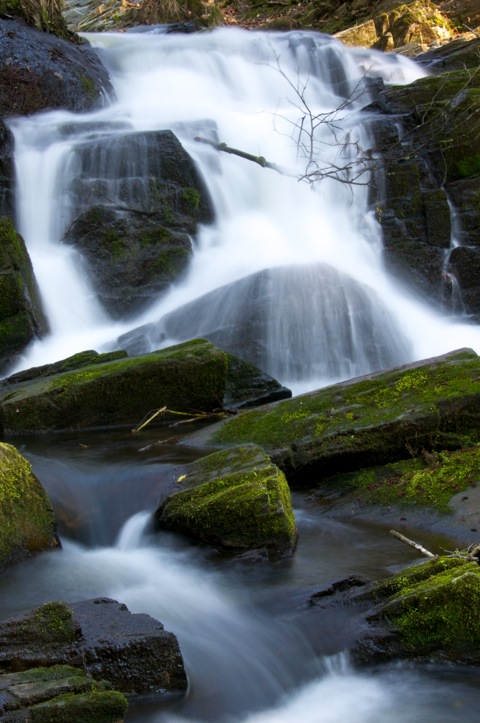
(304, 240)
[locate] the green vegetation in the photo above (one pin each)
(434, 607)
(236, 498)
(27, 522)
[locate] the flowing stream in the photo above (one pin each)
(254, 651)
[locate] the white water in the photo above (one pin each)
(254, 87)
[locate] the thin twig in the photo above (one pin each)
(411, 543)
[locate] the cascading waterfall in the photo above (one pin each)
(299, 263)
(327, 310)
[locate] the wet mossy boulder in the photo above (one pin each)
(21, 314)
(377, 419)
(429, 611)
(57, 694)
(27, 521)
(101, 637)
(191, 377)
(235, 499)
(138, 200)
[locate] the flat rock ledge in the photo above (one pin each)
(101, 637)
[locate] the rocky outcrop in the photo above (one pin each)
(102, 637)
(191, 377)
(234, 499)
(27, 521)
(435, 164)
(137, 199)
(58, 693)
(21, 314)
(377, 419)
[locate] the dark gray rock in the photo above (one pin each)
(132, 651)
(138, 198)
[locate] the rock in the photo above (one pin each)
(58, 693)
(132, 651)
(190, 377)
(21, 314)
(137, 199)
(235, 499)
(238, 317)
(436, 162)
(428, 611)
(42, 72)
(376, 419)
(27, 521)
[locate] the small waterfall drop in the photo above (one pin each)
(328, 309)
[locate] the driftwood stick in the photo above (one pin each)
(150, 419)
(411, 543)
(260, 160)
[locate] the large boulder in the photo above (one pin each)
(317, 337)
(191, 377)
(377, 419)
(27, 521)
(21, 314)
(234, 499)
(137, 199)
(102, 637)
(58, 693)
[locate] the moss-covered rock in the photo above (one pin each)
(144, 201)
(431, 610)
(376, 419)
(27, 521)
(21, 313)
(236, 499)
(101, 637)
(192, 377)
(57, 694)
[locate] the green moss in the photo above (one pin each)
(191, 199)
(235, 498)
(438, 608)
(468, 166)
(27, 522)
(103, 706)
(115, 243)
(54, 623)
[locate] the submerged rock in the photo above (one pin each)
(58, 693)
(27, 521)
(102, 637)
(192, 377)
(236, 499)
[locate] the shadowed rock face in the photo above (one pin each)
(133, 652)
